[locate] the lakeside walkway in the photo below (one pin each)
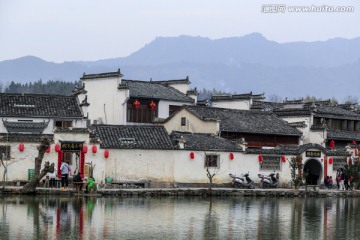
(156, 192)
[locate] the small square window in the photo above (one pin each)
(183, 121)
(212, 161)
(5, 152)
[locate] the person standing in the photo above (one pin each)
(65, 169)
(52, 178)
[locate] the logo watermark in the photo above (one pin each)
(283, 8)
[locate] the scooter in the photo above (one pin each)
(239, 182)
(269, 181)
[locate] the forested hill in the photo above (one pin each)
(50, 87)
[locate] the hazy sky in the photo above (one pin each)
(69, 30)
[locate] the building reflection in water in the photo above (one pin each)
(50, 217)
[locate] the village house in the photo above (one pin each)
(155, 133)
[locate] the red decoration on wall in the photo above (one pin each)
(106, 153)
(332, 144)
(353, 142)
(260, 158)
(192, 155)
(283, 159)
(94, 149)
(82, 163)
(48, 150)
(152, 105)
(231, 156)
(57, 147)
(136, 104)
(21, 147)
(330, 161)
(85, 149)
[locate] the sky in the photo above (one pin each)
(73, 30)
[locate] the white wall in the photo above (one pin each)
(163, 108)
(193, 124)
(106, 101)
(233, 104)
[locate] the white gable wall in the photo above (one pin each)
(193, 124)
(106, 101)
(233, 104)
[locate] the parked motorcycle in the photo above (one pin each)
(269, 181)
(240, 182)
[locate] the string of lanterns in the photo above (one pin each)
(137, 104)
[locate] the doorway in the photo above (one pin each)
(314, 170)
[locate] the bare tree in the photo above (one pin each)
(212, 167)
(274, 98)
(351, 100)
(31, 186)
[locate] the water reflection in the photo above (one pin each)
(51, 217)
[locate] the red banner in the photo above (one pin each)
(60, 156)
(82, 163)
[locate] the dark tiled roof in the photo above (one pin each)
(153, 90)
(230, 97)
(102, 75)
(29, 127)
(298, 124)
(177, 81)
(39, 105)
(343, 135)
(292, 112)
(19, 137)
(204, 142)
(245, 121)
(318, 127)
(335, 112)
(132, 137)
(71, 130)
(297, 150)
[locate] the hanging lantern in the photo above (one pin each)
(332, 144)
(48, 150)
(353, 142)
(106, 153)
(330, 161)
(21, 147)
(85, 149)
(136, 104)
(231, 156)
(152, 105)
(192, 155)
(94, 149)
(283, 159)
(260, 158)
(57, 147)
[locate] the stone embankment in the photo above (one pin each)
(225, 192)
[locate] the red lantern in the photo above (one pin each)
(283, 159)
(94, 149)
(47, 150)
(192, 155)
(330, 161)
(260, 158)
(21, 147)
(353, 142)
(332, 144)
(106, 153)
(231, 156)
(350, 161)
(57, 147)
(152, 105)
(136, 104)
(85, 149)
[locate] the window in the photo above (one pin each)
(63, 124)
(143, 114)
(339, 163)
(173, 108)
(183, 121)
(212, 161)
(5, 152)
(271, 163)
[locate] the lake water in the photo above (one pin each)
(55, 217)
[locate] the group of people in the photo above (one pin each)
(342, 180)
(65, 169)
(329, 182)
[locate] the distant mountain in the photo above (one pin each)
(238, 64)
